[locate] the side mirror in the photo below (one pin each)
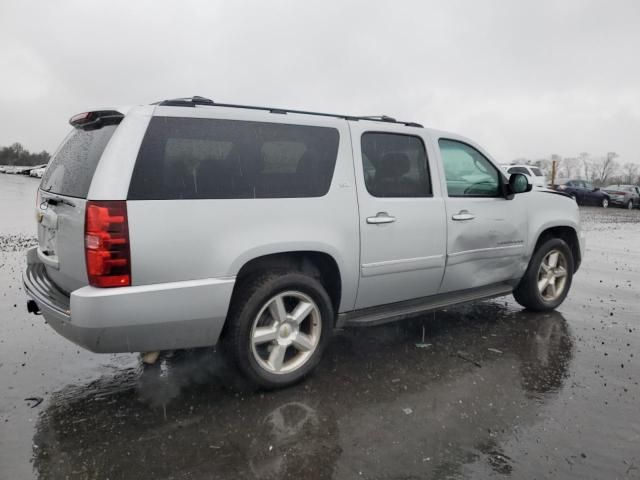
(519, 183)
(596, 189)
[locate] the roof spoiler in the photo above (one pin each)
(96, 119)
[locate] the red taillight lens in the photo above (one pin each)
(106, 244)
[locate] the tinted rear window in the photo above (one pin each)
(190, 158)
(71, 170)
(522, 170)
(395, 165)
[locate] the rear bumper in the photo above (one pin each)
(142, 318)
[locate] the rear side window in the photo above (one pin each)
(191, 158)
(519, 170)
(71, 170)
(537, 172)
(395, 165)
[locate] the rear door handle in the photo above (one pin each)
(381, 217)
(463, 215)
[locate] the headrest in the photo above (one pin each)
(393, 165)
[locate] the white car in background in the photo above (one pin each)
(536, 177)
(38, 171)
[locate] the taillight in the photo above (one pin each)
(106, 244)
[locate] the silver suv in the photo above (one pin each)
(187, 223)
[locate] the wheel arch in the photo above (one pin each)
(317, 263)
(566, 233)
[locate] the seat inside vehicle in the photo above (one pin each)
(390, 179)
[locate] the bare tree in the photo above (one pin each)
(570, 167)
(543, 164)
(605, 167)
(630, 171)
(586, 164)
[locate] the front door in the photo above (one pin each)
(486, 232)
(402, 224)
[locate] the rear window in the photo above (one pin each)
(191, 158)
(71, 169)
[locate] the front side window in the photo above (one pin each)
(195, 158)
(395, 165)
(468, 172)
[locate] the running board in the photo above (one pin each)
(401, 310)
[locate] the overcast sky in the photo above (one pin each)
(523, 78)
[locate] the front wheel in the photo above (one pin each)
(278, 328)
(548, 278)
(605, 203)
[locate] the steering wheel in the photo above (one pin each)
(470, 187)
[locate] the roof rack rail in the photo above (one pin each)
(197, 100)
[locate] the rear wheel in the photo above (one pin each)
(548, 278)
(630, 205)
(605, 203)
(278, 328)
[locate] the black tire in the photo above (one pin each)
(252, 297)
(527, 292)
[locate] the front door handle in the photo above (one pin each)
(463, 215)
(381, 217)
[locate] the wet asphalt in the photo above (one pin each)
(480, 391)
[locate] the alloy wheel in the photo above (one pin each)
(286, 332)
(552, 275)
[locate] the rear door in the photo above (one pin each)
(486, 232)
(61, 205)
(402, 225)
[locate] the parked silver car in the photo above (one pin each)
(186, 223)
(627, 196)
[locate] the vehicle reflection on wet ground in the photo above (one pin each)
(477, 391)
(379, 405)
